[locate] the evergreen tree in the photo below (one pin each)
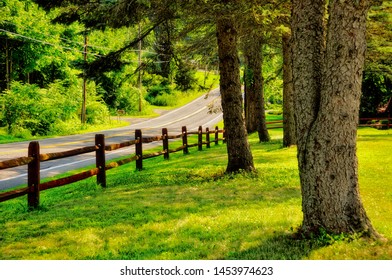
(328, 62)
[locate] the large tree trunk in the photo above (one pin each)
(289, 138)
(327, 84)
(239, 154)
(254, 87)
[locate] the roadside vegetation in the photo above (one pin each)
(186, 208)
(34, 113)
(42, 85)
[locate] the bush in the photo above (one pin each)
(164, 100)
(20, 132)
(161, 95)
(276, 112)
(97, 113)
(185, 76)
(376, 90)
(127, 99)
(23, 107)
(30, 109)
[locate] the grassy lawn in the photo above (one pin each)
(185, 208)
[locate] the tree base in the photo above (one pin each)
(324, 235)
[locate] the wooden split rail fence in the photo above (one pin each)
(34, 159)
(379, 123)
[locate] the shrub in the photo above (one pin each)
(27, 107)
(160, 95)
(30, 109)
(185, 76)
(127, 99)
(22, 106)
(164, 100)
(97, 113)
(276, 112)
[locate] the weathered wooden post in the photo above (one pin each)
(185, 140)
(139, 149)
(165, 143)
(200, 142)
(100, 159)
(33, 173)
(208, 137)
(216, 135)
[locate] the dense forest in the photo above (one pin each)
(60, 71)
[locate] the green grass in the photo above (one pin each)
(182, 98)
(186, 208)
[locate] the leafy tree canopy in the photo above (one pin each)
(377, 82)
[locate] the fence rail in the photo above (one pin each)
(380, 123)
(34, 158)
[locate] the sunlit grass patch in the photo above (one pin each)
(187, 208)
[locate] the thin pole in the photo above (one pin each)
(84, 94)
(140, 70)
(7, 65)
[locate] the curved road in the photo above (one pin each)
(192, 115)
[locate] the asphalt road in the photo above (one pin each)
(192, 115)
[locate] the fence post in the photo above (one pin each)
(139, 149)
(216, 135)
(100, 161)
(33, 174)
(185, 140)
(200, 142)
(165, 142)
(208, 137)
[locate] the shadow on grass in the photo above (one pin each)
(281, 246)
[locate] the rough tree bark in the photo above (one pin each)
(328, 62)
(239, 154)
(254, 87)
(289, 138)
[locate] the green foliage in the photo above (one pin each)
(377, 77)
(97, 113)
(324, 238)
(185, 76)
(376, 90)
(37, 53)
(27, 107)
(159, 90)
(127, 98)
(273, 80)
(30, 109)
(96, 110)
